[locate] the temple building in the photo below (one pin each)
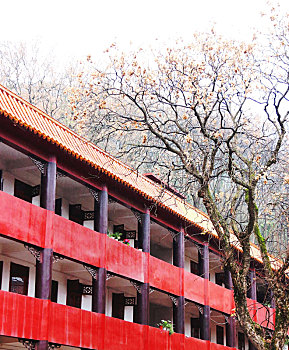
(94, 255)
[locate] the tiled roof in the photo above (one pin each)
(32, 118)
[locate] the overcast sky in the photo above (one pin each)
(77, 28)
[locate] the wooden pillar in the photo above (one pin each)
(1, 180)
(144, 231)
(203, 254)
(179, 261)
(41, 345)
(99, 291)
(141, 311)
(231, 323)
(205, 323)
(101, 211)
(48, 186)
(44, 265)
(179, 250)
(179, 315)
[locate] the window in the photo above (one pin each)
(19, 276)
(195, 327)
(220, 335)
(1, 270)
(54, 291)
(220, 278)
(118, 305)
(58, 206)
(241, 341)
(75, 213)
(23, 191)
(194, 267)
(74, 293)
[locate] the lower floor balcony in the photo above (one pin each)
(27, 319)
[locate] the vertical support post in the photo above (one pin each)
(204, 272)
(205, 323)
(179, 261)
(101, 211)
(48, 186)
(99, 291)
(231, 324)
(141, 314)
(179, 315)
(1, 180)
(144, 232)
(204, 261)
(44, 266)
(179, 250)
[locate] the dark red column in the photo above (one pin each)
(179, 315)
(204, 272)
(48, 186)
(1, 180)
(144, 231)
(44, 265)
(100, 225)
(101, 211)
(179, 261)
(231, 322)
(141, 311)
(99, 291)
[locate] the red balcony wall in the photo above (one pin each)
(196, 344)
(220, 298)
(124, 260)
(22, 316)
(21, 220)
(194, 287)
(164, 276)
(75, 241)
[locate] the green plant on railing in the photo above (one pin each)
(166, 326)
(115, 235)
(118, 237)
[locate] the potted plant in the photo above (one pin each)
(118, 236)
(166, 325)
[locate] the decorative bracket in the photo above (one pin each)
(137, 214)
(109, 276)
(111, 200)
(41, 166)
(91, 271)
(36, 191)
(174, 234)
(136, 285)
(88, 215)
(52, 346)
(174, 300)
(201, 311)
(94, 194)
(151, 290)
(129, 301)
(28, 343)
(36, 252)
(86, 289)
(56, 258)
(59, 174)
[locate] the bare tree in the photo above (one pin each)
(37, 77)
(212, 116)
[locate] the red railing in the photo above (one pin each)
(31, 318)
(31, 224)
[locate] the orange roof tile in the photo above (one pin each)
(23, 113)
(32, 118)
